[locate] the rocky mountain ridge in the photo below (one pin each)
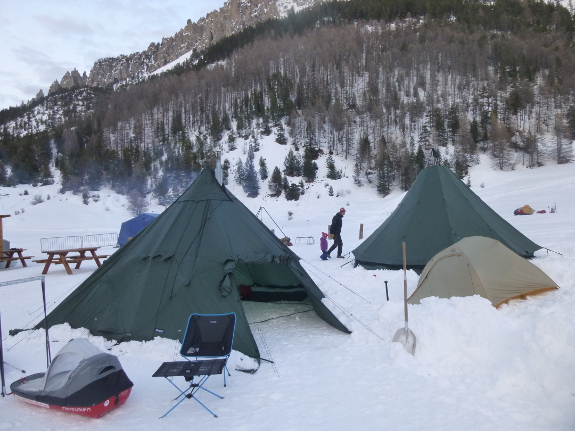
(234, 16)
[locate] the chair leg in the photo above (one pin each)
(213, 393)
(190, 392)
(176, 386)
(224, 373)
(177, 404)
(203, 405)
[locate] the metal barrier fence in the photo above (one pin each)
(69, 242)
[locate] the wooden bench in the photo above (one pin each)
(10, 259)
(72, 259)
(46, 261)
(11, 255)
(76, 259)
(62, 257)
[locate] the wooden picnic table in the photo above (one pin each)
(8, 256)
(61, 257)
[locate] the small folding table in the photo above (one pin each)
(188, 369)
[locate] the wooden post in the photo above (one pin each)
(361, 231)
(2, 231)
(329, 229)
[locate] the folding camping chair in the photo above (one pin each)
(206, 346)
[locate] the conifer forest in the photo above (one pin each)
(393, 85)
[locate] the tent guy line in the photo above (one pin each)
(341, 284)
(279, 317)
(352, 316)
(264, 342)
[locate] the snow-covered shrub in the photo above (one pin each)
(37, 199)
(85, 196)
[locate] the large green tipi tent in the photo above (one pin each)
(436, 212)
(190, 259)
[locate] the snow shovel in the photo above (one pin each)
(405, 335)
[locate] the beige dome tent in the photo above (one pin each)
(481, 266)
(524, 210)
(527, 210)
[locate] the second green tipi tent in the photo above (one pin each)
(191, 259)
(436, 212)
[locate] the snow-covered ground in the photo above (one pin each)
(475, 367)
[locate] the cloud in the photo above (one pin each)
(45, 67)
(66, 26)
(43, 40)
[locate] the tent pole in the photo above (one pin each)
(48, 353)
(2, 360)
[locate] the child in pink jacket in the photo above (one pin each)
(323, 246)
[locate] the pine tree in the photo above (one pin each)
(332, 172)
(255, 143)
(293, 192)
(419, 160)
(425, 137)
(263, 169)
(285, 184)
(330, 191)
(240, 125)
(474, 131)
(453, 123)
(275, 183)
(570, 116)
(216, 126)
(407, 173)
(292, 164)
(298, 165)
(357, 174)
(309, 169)
(3, 174)
(289, 164)
(274, 107)
(266, 129)
(461, 167)
(310, 135)
(251, 184)
(281, 137)
(231, 142)
(384, 176)
(240, 172)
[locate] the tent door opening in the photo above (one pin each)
(268, 283)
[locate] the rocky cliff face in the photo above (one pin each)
(234, 16)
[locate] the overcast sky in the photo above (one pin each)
(40, 40)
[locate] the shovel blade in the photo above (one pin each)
(407, 338)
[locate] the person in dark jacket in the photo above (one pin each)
(335, 230)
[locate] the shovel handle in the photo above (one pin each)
(404, 283)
